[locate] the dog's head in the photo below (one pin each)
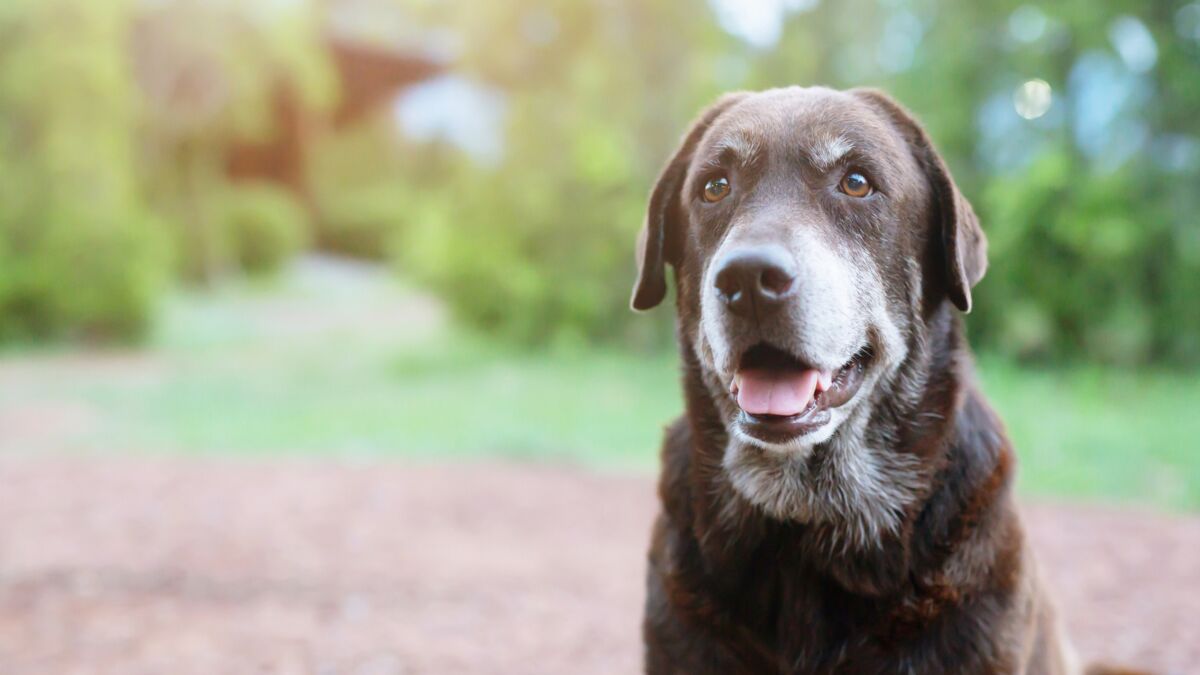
(813, 232)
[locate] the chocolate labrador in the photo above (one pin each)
(837, 497)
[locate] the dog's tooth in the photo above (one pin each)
(825, 381)
(735, 385)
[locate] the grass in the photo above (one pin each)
(256, 372)
(1097, 433)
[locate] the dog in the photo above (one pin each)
(837, 496)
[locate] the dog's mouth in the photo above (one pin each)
(782, 398)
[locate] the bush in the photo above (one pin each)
(264, 226)
(365, 186)
(535, 264)
(361, 222)
(80, 254)
(1088, 264)
(538, 244)
(85, 275)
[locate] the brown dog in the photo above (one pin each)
(837, 497)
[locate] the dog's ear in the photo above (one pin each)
(661, 239)
(964, 245)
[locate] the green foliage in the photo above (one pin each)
(1090, 263)
(361, 221)
(265, 225)
(87, 275)
(539, 247)
(113, 116)
(212, 75)
(363, 196)
(80, 255)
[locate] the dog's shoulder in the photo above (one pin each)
(673, 489)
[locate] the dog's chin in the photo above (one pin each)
(802, 406)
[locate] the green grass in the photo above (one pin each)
(235, 374)
(593, 408)
(1099, 433)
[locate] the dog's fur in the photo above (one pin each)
(887, 541)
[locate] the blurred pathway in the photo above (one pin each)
(228, 566)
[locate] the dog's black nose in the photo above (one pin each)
(759, 277)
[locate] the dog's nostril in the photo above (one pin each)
(776, 280)
(729, 283)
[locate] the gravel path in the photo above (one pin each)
(181, 566)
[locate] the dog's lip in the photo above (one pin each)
(830, 394)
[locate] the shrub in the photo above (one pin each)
(85, 275)
(264, 226)
(365, 185)
(361, 222)
(535, 263)
(80, 254)
(1087, 264)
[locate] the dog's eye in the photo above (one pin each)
(855, 184)
(716, 189)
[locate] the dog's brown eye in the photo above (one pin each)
(716, 189)
(855, 184)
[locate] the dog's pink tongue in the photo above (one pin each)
(773, 392)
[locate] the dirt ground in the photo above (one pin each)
(181, 566)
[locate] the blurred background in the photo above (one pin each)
(261, 260)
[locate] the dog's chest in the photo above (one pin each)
(806, 623)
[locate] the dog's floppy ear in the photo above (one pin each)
(660, 240)
(963, 243)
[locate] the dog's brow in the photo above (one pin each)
(827, 151)
(736, 148)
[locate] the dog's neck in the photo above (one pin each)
(868, 507)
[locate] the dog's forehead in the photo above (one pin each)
(824, 123)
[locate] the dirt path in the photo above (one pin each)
(222, 566)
